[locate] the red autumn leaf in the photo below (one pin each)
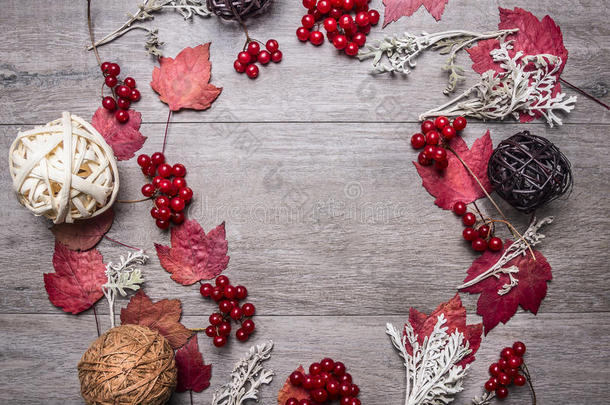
(395, 9)
(77, 282)
(534, 37)
(124, 139)
(162, 316)
(529, 291)
(194, 256)
(84, 234)
(192, 373)
(455, 314)
(290, 391)
(184, 82)
(455, 183)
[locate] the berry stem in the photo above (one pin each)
(133, 201)
(584, 93)
(476, 207)
(120, 243)
(529, 382)
(197, 330)
(90, 24)
(166, 127)
(191, 395)
(97, 324)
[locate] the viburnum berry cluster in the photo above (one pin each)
(437, 133)
(346, 22)
(252, 53)
(510, 369)
(327, 380)
(228, 296)
(168, 186)
(482, 237)
(123, 92)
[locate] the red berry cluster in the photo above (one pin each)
(169, 187)
(346, 32)
(433, 140)
(326, 381)
(506, 370)
(123, 93)
(246, 60)
(482, 237)
(228, 296)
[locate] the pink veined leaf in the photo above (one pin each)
(124, 139)
(395, 9)
(84, 234)
(193, 374)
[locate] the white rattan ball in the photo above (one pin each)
(64, 170)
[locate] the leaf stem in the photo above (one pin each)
(97, 324)
(529, 383)
(197, 330)
(121, 243)
(89, 23)
(166, 127)
(133, 201)
(191, 395)
(584, 93)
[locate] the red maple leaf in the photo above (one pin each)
(534, 37)
(455, 183)
(193, 374)
(455, 314)
(194, 256)
(124, 139)
(291, 391)
(84, 234)
(395, 9)
(77, 282)
(184, 82)
(529, 292)
(162, 316)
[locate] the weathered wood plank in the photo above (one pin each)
(45, 70)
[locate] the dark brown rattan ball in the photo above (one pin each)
(528, 171)
(238, 10)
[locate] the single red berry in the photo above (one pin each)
(272, 45)
(164, 213)
(122, 116)
(220, 341)
(308, 21)
(429, 150)
(165, 186)
(441, 122)
(210, 331)
(362, 19)
(351, 49)
(241, 335)
(164, 170)
(330, 24)
(309, 4)
(123, 91)
(252, 71)
(418, 141)
(494, 370)
(109, 103)
(215, 319)
(441, 164)
(323, 6)
(346, 21)
(230, 291)
(439, 154)
(236, 313)
(316, 38)
(217, 294)
(305, 401)
(186, 194)
(345, 389)
(504, 379)
(340, 42)
(135, 95)
(327, 364)
(359, 39)
(507, 353)
(248, 309)
(479, 244)
(225, 306)
(157, 158)
(179, 182)
(333, 386)
(423, 159)
(335, 13)
(162, 224)
(264, 57)
(222, 281)
(178, 217)
(144, 160)
(469, 219)
(111, 81)
(491, 385)
(355, 390)
(432, 138)
(296, 378)
(484, 231)
(238, 66)
(348, 5)
(519, 348)
(248, 326)
(346, 378)
(177, 204)
(253, 48)
(449, 132)
(495, 244)
(130, 82)
(104, 66)
(244, 57)
(459, 123)
(339, 369)
(308, 382)
(373, 17)
(149, 170)
(459, 208)
(242, 292)
(469, 234)
(224, 329)
(113, 69)
(501, 392)
(148, 190)
(319, 395)
(206, 289)
(302, 34)
(157, 183)
(511, 372)
(315, 368)
(502, 364)
(345, 400)
(123, 103)
(427, 126)
(277, 56)
(519, 380)
(514, 361)
(154, 212)
(291, 401)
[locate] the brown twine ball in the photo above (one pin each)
(129, 364)
(528, 171)
(238, 10)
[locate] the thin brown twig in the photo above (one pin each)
(97, 325)
(166, 127)
(529, 382)
(584, 93)
(133, 201)
(191, 394)
(90, 24)
(121, 243)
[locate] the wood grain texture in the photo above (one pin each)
(327, 222)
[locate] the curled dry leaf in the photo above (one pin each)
(84, 234)
(194, 256)
(290, 391)
(455, 183)
(77, 282)
(184, 82)
(193, 374)
(529, 291)
(395, 9)
(162, 316)
(124, 139)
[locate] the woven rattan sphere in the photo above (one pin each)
(64, 170)
(238, 10)
(129, 364)
(528, 171)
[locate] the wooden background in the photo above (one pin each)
(327, 222)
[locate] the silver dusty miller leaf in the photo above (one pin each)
(433, 375)
(246, 378)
